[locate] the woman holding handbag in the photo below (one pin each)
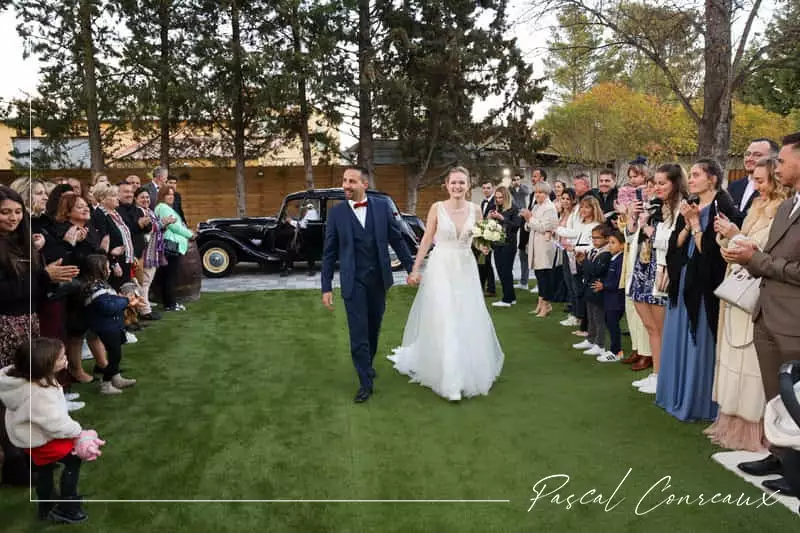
(176, 244)
(738, 388)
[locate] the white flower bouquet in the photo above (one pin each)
(484, 235)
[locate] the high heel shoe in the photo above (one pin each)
(547, 308)
(84, 378)
(538, 309)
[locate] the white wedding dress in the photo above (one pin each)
(449, 343)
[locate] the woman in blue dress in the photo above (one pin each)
(695, 267)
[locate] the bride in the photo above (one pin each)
(449, 343)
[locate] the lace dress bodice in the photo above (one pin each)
(447, 234)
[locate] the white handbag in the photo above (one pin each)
(740, 289)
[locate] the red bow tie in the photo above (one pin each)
(360, 204)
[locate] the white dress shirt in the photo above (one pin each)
(748, 193)
(796, 204)
(361, 212)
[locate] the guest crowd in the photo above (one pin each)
(78, 263)
(677, 255)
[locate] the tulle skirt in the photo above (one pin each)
(449, 342)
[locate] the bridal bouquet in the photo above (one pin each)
(485, 234)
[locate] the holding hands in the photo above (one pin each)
(414, 279)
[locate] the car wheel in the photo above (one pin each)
(218, 259)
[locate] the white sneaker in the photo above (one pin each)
(583, 345)
(523, 286)
(651, 385)
(130, 338)
(71, 396)
(535, 290)
(501, 303)
(639, 382)
(122, 383)
(570, 321)
(180, 307)
(514, 302)
(608, 357)
(74, 406)
(594, 350)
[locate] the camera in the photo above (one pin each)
(693, 199)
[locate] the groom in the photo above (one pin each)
(358, 233)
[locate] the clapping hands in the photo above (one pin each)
(59, 272)
(38, 241)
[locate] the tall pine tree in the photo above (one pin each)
(76, 43)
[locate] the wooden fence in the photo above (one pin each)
(211, 191)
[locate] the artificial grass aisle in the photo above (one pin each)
(249, 396)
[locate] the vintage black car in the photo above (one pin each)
(296, 233)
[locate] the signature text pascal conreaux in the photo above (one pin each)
(553, 490)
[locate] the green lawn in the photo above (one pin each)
(249, 396)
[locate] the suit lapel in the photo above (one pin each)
(781, 224)
(370, 226)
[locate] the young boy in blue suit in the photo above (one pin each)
(613, 297)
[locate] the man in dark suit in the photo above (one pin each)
(485, 270)
(776, 335)
(358, 233)
(743, 190)
(159, 180)
(177, 205)
(607, 192)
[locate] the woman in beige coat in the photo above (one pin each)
(542, 221)
(737, 378)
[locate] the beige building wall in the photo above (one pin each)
(287, 154)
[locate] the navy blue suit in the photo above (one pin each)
(365, 273)
(736, 189)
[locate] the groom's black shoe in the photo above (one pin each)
(362, 395)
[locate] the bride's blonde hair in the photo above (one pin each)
(457, 170)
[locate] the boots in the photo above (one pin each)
(122, 383)
(69, 512)
(631, 359)
(644, 362)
